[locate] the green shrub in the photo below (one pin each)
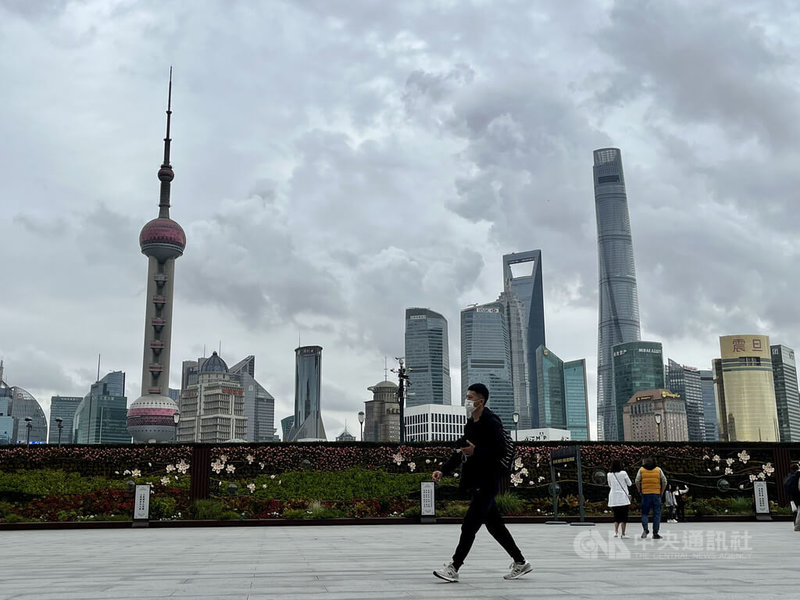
(49, 482)
(411, 512)
(294, 513)
(700, 507)
(741, 505)
(13, 518)
(349, 484)
(508, 503)
(230, 515)
(206, 510)
(163, 507)
(454, 509)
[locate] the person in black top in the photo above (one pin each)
(480, 450)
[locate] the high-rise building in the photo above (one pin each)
(345, 436)
(787, 398)
(686, 382)
(101, 416)
(19, 404)
(576, 399)
(162, 240)
(655, 416)
(562, 397)
(746, 407)
(523, 296)
(6, 422)
(64, 408)
(550, 378)
(434, 422)
(212, 403)
(486, 356)
(259, 405)
(709, 406)
(286, 427)
(427, 357)
(382, 413)
(635, 366)
(619, 301)
(307, 395)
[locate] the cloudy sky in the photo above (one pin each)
(338, 161)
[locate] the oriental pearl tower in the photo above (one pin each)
(162, 240)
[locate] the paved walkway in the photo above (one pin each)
(731, 560)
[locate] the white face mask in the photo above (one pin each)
(469, 407)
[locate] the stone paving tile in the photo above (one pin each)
(392, 562)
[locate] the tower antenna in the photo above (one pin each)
(165, 173)
(98, 367)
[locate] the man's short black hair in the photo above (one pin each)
(480, 389)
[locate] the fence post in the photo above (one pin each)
(200, 472)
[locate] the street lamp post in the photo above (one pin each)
(60, 422)
(403, 383)
(515, 416)
(361, 422)
(176, 417)
(28, 426)
(657, 417)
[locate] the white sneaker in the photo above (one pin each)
(448, 573)
(518, 570)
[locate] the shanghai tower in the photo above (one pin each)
(162, 240)
(619, 300)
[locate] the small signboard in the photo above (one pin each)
(761, 498)
(559, 456)
(427, 502)
(427, 499)
(141, 504)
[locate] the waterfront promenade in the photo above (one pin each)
(703, 560)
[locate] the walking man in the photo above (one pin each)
(651, 483)
(791, 485)
(480, 450)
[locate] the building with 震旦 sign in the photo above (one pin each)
(745, 391)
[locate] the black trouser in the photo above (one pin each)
(483, 511)
(681, 511)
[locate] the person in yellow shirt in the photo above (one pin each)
(651, 483)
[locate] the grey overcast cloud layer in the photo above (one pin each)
(337, 162)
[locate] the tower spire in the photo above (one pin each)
(165, 173)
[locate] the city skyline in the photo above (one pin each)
(385, 160)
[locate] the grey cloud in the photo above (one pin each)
(691, 58)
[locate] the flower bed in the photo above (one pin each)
(348, 480)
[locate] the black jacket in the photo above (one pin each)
(483, 467)
(790, 486)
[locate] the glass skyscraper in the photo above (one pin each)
(550, 376)
(619, 301)
(63, 407)
(636, 366)
(523, 296)
(486, 356)
(427, 357)
(686, 382)
(563, 402)
(784, 373)
(576, 399)
(747, 411)
(709, 406)
(307, 395)
(101, 417)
